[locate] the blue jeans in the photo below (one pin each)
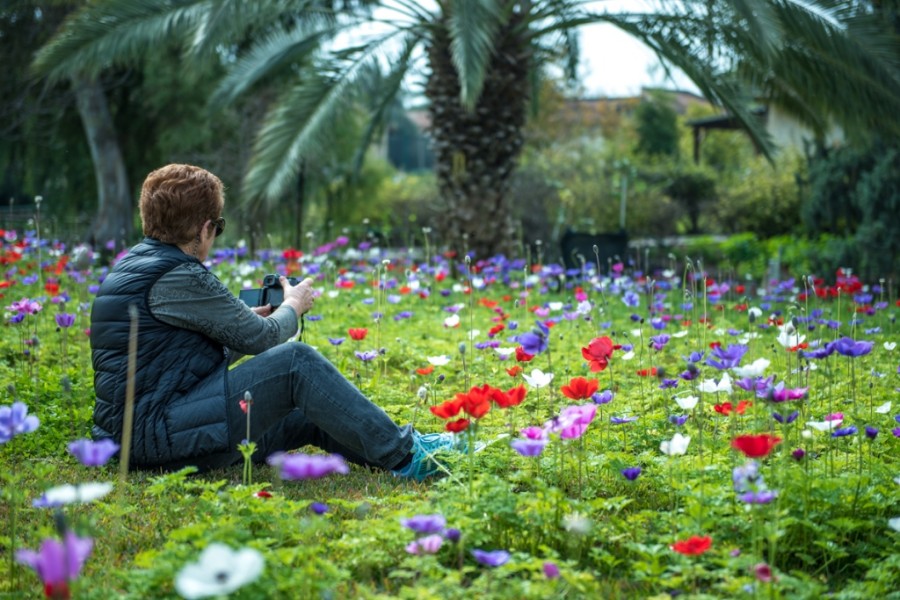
(300, 398)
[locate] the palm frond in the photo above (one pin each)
(301, 119)
(386, 93)
(274, 50)
(686, 53)
(116, 32)
(473, 25)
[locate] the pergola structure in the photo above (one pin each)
(701, 126)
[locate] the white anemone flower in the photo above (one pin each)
(79, 493)
(884, 408)
(451, 321)
(825, 425)
(754, 369)
(890, 346)
(676, 446)
(538, 378)
(712, 386)
(680, 334)
(754, 312)
(555, 306)
(219, 571)
(894, 523)
(788, 336)
(686, 402)
(505, 352)
(627, 356)
(439, 361)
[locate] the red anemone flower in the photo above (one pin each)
(448, 409)
(755, 446)
(458, 425)
(523, 356)
(509, 398)
(726, 408)
(514, 370)
(693, 546)
(598, 352)
(651, 372)
(358, 333)
(425, 370)
(580, 388)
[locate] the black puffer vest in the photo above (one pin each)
(180, 383)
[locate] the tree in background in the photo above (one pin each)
(657, 127)
(477, 61)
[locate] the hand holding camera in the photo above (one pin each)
(277, 290)
(300, 296)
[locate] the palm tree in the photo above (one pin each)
(477, 62)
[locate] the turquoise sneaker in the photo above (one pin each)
(423, 464)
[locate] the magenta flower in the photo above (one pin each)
(779, 393)
(493, 558)
(307, 466)
(57, 563)
(551, 570)
(572, 421)
(91, 453)
(15, 420)
(533, 433)
(429, 544)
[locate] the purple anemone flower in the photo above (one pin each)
(785, 420)
(493, 558)
(622, 420)
(307, 466)
(678, 420)
(604, 397)
(758, 496)
(366, 356)
(658, 342)
(844, 431)
(631, 473)
(849, 347)
(57, 563)
(425, 524)
(15, 420)
(318, 508)
(871, 432)
(336, 341)
(64, 320)
(91, 453)
(528, 446)
(727, 358)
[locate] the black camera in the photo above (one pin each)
(270, 293)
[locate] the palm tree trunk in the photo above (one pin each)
(114, 219)
(476, 151)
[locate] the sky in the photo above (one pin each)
(612, 62)
(615, 64)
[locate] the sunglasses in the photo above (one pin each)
(219, 225)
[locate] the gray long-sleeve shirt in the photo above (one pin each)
(191, 297)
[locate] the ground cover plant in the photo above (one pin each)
(645, 434)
